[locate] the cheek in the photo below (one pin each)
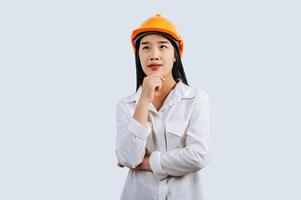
(170, 59)
(143, 63)
(142, 58)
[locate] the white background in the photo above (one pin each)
(65, 64)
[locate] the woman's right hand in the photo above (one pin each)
(151, 86)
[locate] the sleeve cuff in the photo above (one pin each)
(155, 165)
(138, 130)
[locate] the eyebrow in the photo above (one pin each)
(160, 42)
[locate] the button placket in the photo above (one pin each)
(163, 190)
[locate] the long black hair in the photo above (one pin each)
(177, 69)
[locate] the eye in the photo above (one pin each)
(163, 46)
(145, 47)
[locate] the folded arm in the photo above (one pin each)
(131, 136)
(195, 155)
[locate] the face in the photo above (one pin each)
(156, 54)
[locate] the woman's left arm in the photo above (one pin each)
(195, 155)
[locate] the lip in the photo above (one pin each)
(154, 65)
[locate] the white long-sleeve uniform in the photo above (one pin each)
(177, 140)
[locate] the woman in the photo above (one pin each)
(162, 129)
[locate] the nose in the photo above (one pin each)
(155, 55)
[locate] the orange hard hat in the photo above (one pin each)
(158, 23)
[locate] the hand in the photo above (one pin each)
(144, 165)
(151, 86)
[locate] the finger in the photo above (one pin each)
(156, 74)
(138, 167)
(159, 88)
(160, 85)
(159, 77)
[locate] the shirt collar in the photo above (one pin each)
(181, 91)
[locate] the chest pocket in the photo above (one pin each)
(175, 134)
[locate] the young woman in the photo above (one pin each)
(163, 128)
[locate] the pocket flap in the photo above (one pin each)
(177, 127)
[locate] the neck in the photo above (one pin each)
(167, 85)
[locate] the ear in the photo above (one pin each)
(174, 59)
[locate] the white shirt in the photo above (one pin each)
(177, 140)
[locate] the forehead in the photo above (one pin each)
(154, 38)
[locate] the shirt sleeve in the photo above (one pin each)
(195, 155)
(130, 139)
